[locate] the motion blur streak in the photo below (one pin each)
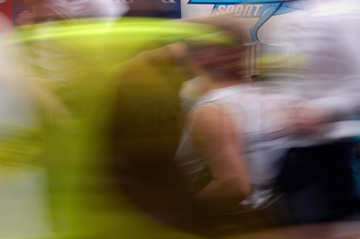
(77, 193)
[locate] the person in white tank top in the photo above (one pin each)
(228, 131)
(257, 126)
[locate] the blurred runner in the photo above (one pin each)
(234, 136)
(318, 57)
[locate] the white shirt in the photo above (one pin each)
(327, 33)
(260, 121)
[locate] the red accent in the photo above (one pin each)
(6, 9)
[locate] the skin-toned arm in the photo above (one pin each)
(307, 120)
(214, 136)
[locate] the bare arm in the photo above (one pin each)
(214, 136)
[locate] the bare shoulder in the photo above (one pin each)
(211, 123)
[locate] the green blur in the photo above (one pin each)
(84, 199)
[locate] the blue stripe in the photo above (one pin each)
(236, 1)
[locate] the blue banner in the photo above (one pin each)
(261, 9)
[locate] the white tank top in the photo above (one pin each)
(261, 121)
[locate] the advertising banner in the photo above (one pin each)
(259, 15)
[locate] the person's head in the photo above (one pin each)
(223, 60)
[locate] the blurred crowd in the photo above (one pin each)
(106, 117)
